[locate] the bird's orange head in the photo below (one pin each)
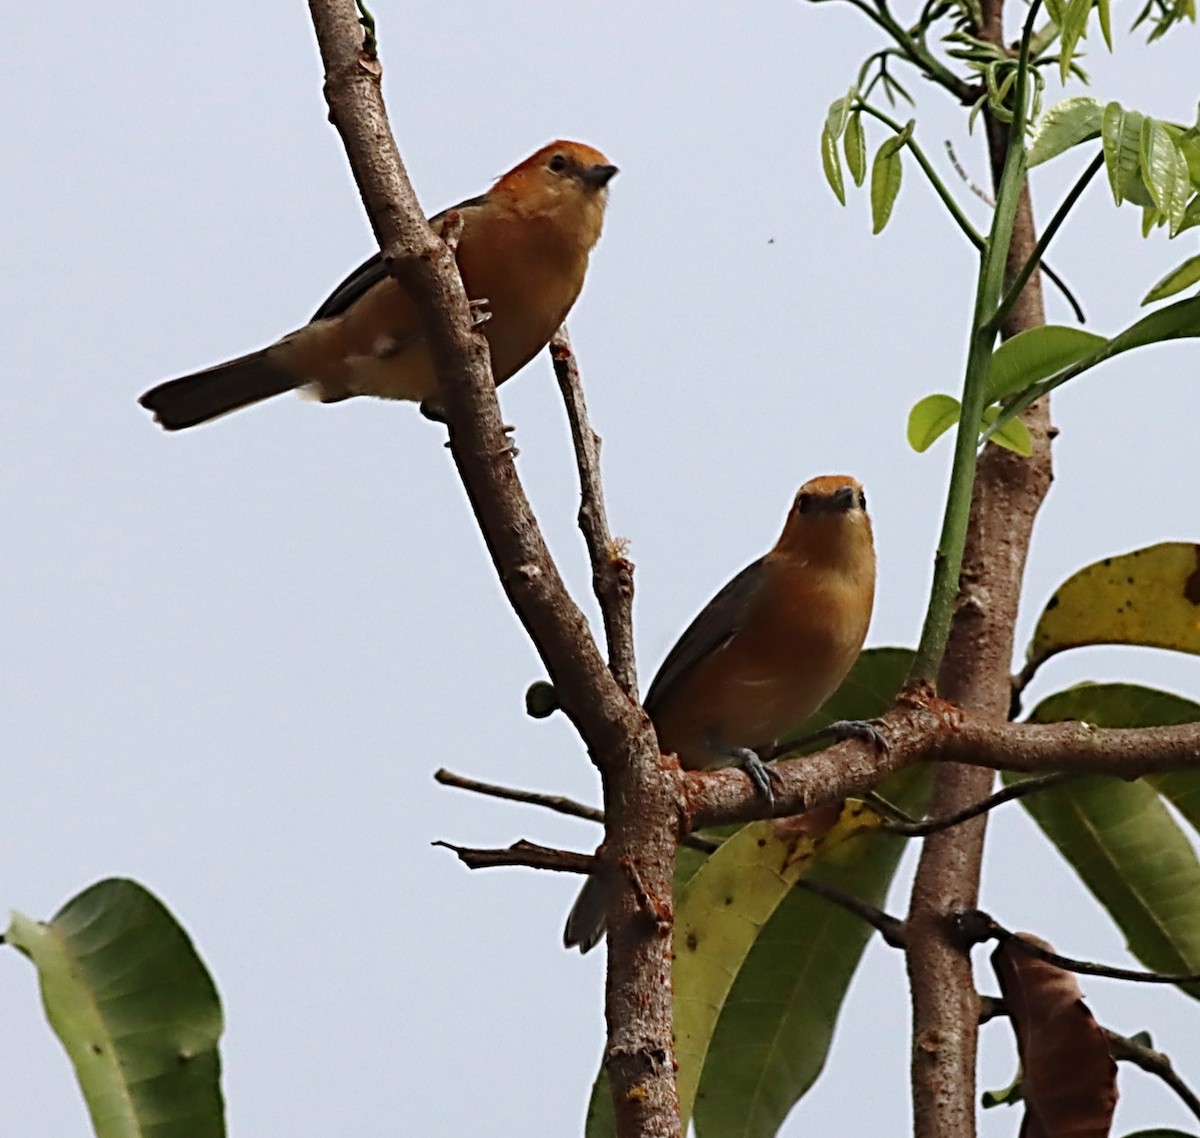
(565, 183)
(828, 524)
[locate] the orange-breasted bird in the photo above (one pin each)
(764, 654)
(523, 253)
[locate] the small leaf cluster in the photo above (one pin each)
(844, 124)
(1035, 362)
(1151, 163)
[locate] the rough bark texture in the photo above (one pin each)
(921, 729)
(643, 808)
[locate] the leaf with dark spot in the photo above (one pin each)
(1149, 598)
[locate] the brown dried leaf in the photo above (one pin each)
(1069, 1078)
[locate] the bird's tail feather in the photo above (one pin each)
(586, 921)
(194, 399)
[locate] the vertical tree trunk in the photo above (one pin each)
(975, 674)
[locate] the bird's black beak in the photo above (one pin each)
(841, 501)
(844, 498)
(597, 177)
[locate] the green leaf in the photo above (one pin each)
(775, 1029)
(1033, 355)
(855, 145)
(601, 1122)
(931, 418)
(1150, 598)
(1131, 705)
(1011, 1095)
(1121, 132)
(886, 173)
(1191, 215)
(831, 163)
(1188, 142)
(718, 917)
(1072, 28)
(839, 114)
(777, 1024)
(1012, 435)
(1127, 849)
(1104, 9)
(1164, 169)
(1064, 125)
(1177, 321)
(1176, 280)
(135, 1009)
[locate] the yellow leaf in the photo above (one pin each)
(720, 913)
(1150, 598)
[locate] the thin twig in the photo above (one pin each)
(524, 853)
(1051, 275)
(1034, 259)
(890, 928)
(939, 187)
(901, 823)
(555, 802)
(1067, 294)
(1153, 1063)
(612, 572)
(977, 926)
(965, 178)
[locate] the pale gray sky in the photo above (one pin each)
(236, 655)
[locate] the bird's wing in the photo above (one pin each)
(372, 271)
(719, 620)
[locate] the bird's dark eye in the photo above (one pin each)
(558, 163)
(862, 500)
(804, 503)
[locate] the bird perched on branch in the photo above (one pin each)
(763, 655)
(523, 253)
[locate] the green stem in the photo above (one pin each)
(370, 45)
(1014, 290)
(916, 53)
(990, 288)
(939, 186)
(920, 56)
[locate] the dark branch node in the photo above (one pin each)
(976, 927)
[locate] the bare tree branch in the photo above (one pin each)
(921, 728)
(977, 926)
(612, 572)
(555, 802)
(642, 797)
(524, 853)
(1153, 1063)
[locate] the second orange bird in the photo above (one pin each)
(764, 654)
(523, 253)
